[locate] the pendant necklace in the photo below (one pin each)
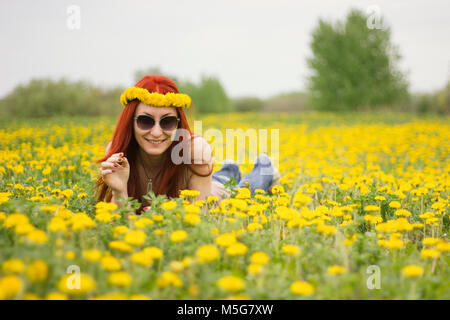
(150, 180)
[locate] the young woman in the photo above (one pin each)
(153, 148)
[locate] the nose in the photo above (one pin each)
(156, 131)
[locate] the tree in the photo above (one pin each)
(209, 96)
(354, 66)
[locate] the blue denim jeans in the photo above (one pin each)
(260, 177)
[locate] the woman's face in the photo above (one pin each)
(154, 141)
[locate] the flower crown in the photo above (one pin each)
(170, 99)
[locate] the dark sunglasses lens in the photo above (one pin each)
(168, 123)
(145, 122)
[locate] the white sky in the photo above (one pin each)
(254, 47)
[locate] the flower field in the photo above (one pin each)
(362, 212)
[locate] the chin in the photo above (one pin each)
(154, 152)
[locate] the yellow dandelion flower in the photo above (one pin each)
(371, 208)
(120, 279)
(226, 239)
(252, 227)
(92, 255)
(139, 297)
(29, 296)
(207, 253)
(76, 286)
(302, 288)
(192, 218)
(430, 241)
(142, 258)
(443, 246)
(10, 286)
(231, 283)
(24, 229)
(70, 255)
(142, 223)
(56, 296)
(429, 253)
(259, 258)
(57, 224)
(120, 246)
(412, 271)
(13, 266)
(402, 213)
(178, 236)
(254, 268)
(212, 199)
(37, 236)
(110, 263)
(15, 219)
(326, 229)
(192, 209)
(169, 205)
(176, 266)
(135, 237)
(236, 249)
(336, 269)
(168, 279)
(154, 252)
(290, 249)
(394, 204)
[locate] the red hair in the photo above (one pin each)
(124, 141)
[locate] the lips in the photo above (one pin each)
(155, 142)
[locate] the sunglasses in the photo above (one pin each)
(167, 123)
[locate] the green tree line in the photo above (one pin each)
(353, 67)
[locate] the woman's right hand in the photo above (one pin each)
(115, 172)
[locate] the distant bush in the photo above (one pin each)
(423, 103)
(285, 102)
(247, 104)
(433, 102)
(443, 100)
(47, 98)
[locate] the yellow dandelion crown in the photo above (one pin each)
(170, 99)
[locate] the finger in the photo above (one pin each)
(111, 159)
(118, 154)
(109, 165)
(107, 171)
(114, 158)
(123, 161)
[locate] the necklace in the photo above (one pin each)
(150, 180)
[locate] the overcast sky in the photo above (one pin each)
(254, 47)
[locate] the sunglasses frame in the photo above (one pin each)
(159, 122)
